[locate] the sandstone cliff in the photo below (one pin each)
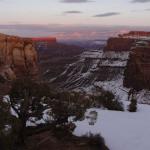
(18, 57)
(119, 44)
(137, 74)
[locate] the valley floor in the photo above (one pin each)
(121, 130)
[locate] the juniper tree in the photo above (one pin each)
(26, 99)
(133, 105)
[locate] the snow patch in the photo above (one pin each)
(121, 130)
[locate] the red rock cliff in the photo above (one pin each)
(18, 57)
(119, 44)
(137, 74)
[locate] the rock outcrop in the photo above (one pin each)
(137, 74)
(18, 57)
(119, 44)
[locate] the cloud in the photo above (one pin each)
(141, 10)
(108, 14)
(76, 1)
(140, 1)
(147, 9)
(73, 12)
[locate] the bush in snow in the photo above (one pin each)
(133, 105)
(107, 100)
(66, 108)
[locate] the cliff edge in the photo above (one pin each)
(18, 58)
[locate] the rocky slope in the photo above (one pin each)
(18, 57)
(93, 68)
(53, 57)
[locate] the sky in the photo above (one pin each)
(69, 13)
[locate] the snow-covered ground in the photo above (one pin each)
(121, 130)
(116, 87)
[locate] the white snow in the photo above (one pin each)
(13, 113)
(121, 130)
(143, 96)
(92, 54)
(6, 99)
(117, 63)
(118, 55)
(116, 87)
(33, 121)
(114, 59)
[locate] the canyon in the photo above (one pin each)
(123, 62)
(117, 67)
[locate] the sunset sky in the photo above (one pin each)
(56, 13)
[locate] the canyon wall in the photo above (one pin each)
(18, 58)
(119, 44)
(137, 73)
